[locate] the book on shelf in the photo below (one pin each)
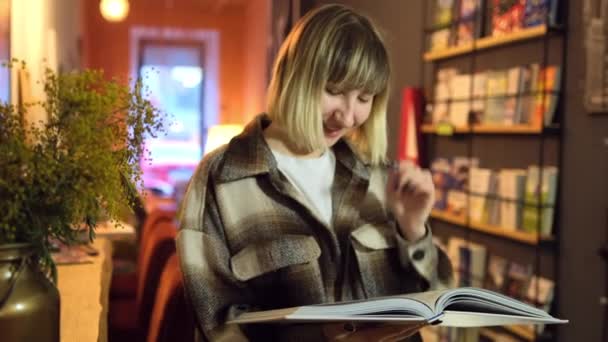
(507, 16)
(539, 199)
(469, 261)
(517, 280)
(440, 171)
(512, 185)
(457, 307)
(480, 185)
(451, 178)
(548, 86)
(540, 292)
(514, 76)
(479, 92)
(440, 39)
(444, 12)
(442, 94)
(496, 88)
(528, 88)
(540, 12)
(496, 273)
(470, 21)
(460, 86)
(491, 211)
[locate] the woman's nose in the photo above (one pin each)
(346, 113)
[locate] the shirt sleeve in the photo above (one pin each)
(210, 285)
(429, 261)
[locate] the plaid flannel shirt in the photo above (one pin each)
(248, 240)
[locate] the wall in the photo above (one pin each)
(584, 200)
(256, 28)
(31, 23)
(583, 203)
(43, 34)
(106, 45)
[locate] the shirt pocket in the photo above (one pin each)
(283, 271)
(377, 257)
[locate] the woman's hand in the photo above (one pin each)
(410, 195)
(364, 332)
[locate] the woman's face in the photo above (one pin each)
(343, 111)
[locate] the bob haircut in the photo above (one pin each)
(331, 45)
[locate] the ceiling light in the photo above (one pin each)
(114, 10)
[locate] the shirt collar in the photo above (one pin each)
(248, 154)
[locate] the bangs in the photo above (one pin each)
(359, 61)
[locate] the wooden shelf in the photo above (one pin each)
(449, 52)
(488, 129)
(525, 237)
(487, 43)
(522, 331)
(521, 35)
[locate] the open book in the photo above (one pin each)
(460, 307)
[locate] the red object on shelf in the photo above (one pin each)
(410, 136)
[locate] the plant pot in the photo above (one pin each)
(29, 302)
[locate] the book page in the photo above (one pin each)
(476, 319)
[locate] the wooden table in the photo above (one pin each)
(84, 291)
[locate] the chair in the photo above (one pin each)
(172, 318)
(129, 317)
(124, 285)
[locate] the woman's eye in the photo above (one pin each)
(365, 99)
(333, 91)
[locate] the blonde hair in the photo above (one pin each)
(330, 45)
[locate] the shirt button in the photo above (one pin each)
(418, 255)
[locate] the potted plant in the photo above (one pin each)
(59, 178)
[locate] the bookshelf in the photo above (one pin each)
(468, 124)
(486, 129)
(515, 235)
(487, 43)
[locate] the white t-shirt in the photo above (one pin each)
(313, 177)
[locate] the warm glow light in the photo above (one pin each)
(219, 135)
(114, 10)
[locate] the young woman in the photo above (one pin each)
(302, 207)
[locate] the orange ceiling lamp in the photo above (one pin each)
(114, 10)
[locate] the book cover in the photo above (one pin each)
(514, 76)
(517, 280)
(440, 171)
(512, 185)
(479, 93)
(497, 84)
(456, 202)
(470, 22)
(480, 181)
(528, 87)
(540, 292)
(444, 12)
(491, 211)
(496, 273)
(507, 16)
(540, 196)
(540, 12)
(440, 39)
(460, 106)
(548, 86)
